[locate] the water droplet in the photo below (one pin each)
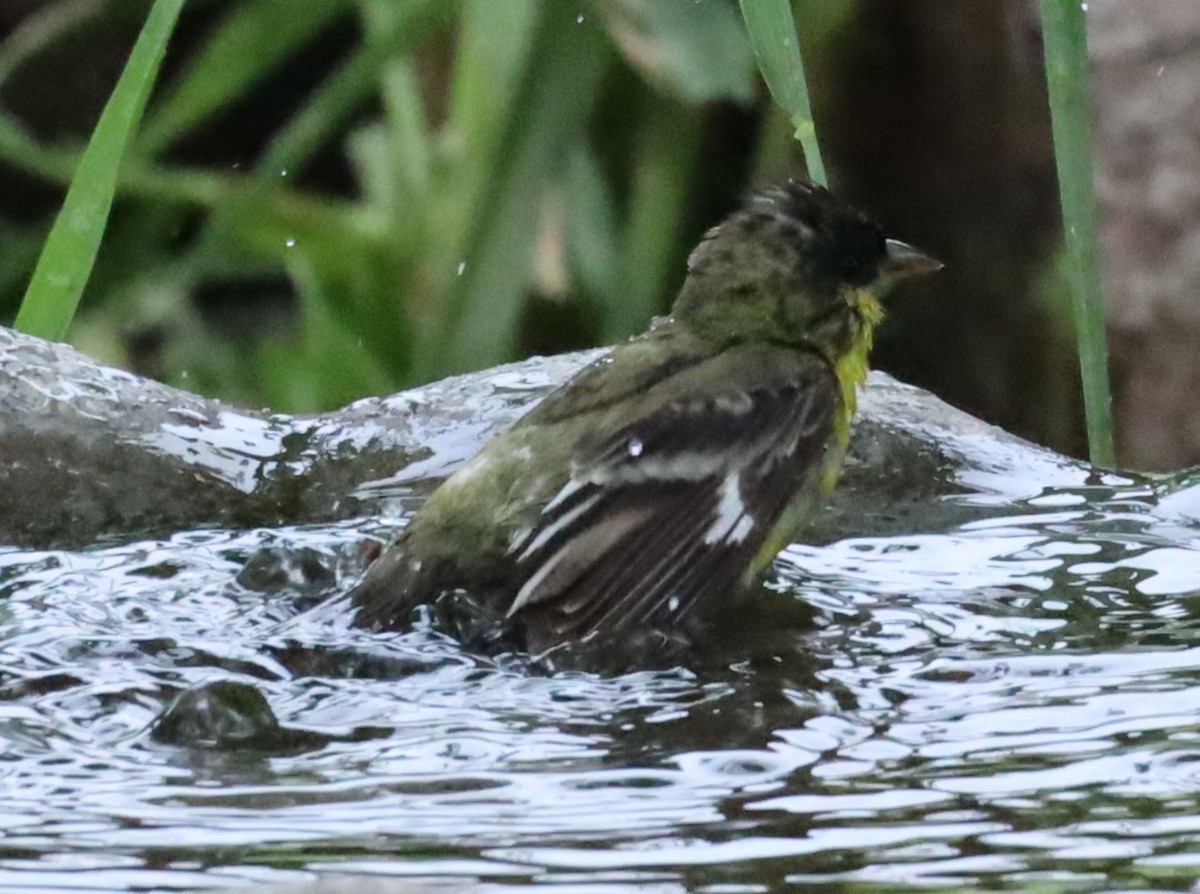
(283, 172)
(290, 242)
(462, 266)
(579, 20)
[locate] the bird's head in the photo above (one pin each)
(796, 265)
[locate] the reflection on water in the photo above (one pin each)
(1010, 702)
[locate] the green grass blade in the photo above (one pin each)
(41, 29)
(66, 261)
(776, 47)
(21, 150)
(696, 51)
(344, 92)
(494, 46)
(1065, 36)
(252, 40)
(668, 135)
(336, 99)
(478, 324)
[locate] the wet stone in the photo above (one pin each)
(229, 715)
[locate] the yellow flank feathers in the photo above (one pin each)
(851, 372)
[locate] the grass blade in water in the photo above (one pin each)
(1063, 26)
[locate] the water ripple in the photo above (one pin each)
(1011, 702)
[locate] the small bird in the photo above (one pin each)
(639, 498)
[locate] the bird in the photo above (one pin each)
(633, 505)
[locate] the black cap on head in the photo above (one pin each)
(844, 245)
(792, 254)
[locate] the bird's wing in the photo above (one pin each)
(671, 508)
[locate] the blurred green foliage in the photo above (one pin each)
(505, 163)
(329, 198)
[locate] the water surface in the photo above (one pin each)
(1010, 702)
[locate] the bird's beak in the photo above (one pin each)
(903, 261)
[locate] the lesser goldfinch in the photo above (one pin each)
(659, 481)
